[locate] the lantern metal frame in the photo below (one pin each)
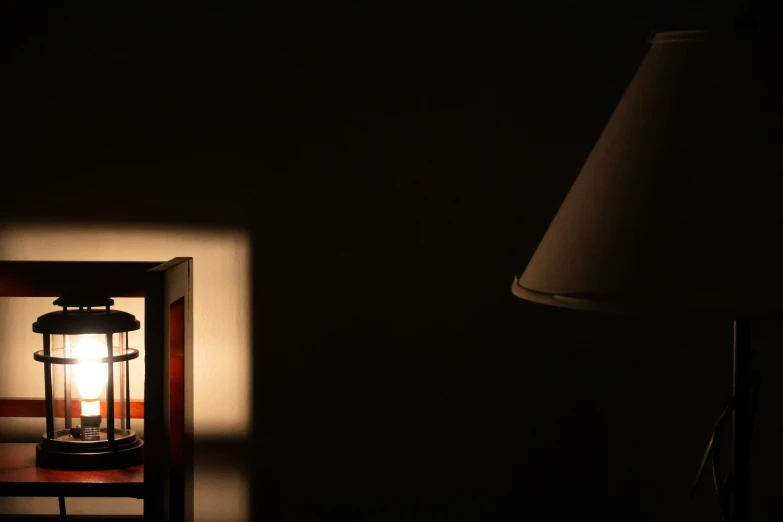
(67, 448)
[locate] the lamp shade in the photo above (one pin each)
(679, 207)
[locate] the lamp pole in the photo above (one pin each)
(741, 421)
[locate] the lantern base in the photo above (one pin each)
(64, 452)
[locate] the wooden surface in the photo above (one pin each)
(177, 388)
(19, 477)
(71, 518)
(57, 278)
(15, 407)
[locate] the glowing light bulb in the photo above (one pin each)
(90, 376)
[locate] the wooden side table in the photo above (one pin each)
(165, 481)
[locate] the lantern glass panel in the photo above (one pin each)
(121, 420)
(59, 388)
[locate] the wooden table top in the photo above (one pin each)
(19, 477)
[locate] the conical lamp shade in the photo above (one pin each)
(679, 206)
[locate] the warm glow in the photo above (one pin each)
(90, 376)
(91, 408)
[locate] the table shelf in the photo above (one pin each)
(19, 477)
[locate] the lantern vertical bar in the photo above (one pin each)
(123, 396)
(48, 385)
(110, 390)
(67, 381)
(127, 385)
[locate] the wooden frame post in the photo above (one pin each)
(168, 392)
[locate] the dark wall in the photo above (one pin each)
(394, 183)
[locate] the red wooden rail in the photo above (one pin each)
(11, 407)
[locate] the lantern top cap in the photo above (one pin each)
(83, 300)
(93, 316)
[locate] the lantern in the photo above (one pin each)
(86, 377)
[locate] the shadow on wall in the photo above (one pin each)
(221, 343)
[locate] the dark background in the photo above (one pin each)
(393, 184)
